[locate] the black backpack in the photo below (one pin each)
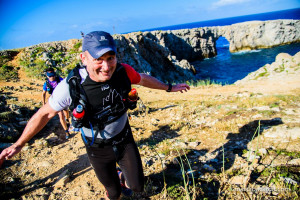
(79, 96)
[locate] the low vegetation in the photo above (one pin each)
(204, 144)
(37, 59)
(7, 72)
(216, 125)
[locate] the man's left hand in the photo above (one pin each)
(180, 87)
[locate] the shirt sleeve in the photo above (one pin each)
(60, 98)
(45, 86)
(133, 75)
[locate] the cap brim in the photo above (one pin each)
(50, 74)
(98, 52)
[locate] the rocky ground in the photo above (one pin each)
(236, 142)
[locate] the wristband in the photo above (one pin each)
(170, 88)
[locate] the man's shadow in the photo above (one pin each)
(17, 189)
(237, 142)
(172, 174)
(236, 145)
(142, 109)
(157, 136)
(175, 180)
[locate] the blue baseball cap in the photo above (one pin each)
(98, 43)
(50, 74)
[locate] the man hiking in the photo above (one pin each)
(48, 87)
(97, 92)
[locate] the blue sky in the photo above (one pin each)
(29, 22)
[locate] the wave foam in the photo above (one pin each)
(247, 51)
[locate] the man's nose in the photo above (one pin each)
(105, 65)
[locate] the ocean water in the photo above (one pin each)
(226, 67)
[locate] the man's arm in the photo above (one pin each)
(44, 97)
(34, 125)
(151, 82)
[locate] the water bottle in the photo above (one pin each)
(133, 95)
(132, 99)
(78, 112)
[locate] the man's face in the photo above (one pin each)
(51, 78)
(101, 69)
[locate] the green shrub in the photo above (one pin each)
(68, 68)
(58, 57)
(8, 73)
(36, 69)
(175, 192)
(51, 49)
(36, 51)
(263, 74)
(77, 46)
(205, 82)
(4, 60)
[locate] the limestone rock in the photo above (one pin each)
(284, 65)
(168, 55)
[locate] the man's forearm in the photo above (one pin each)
(35, 124)
(151, 82)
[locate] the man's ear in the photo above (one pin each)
(83, 58)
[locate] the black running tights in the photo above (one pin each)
(104, 158)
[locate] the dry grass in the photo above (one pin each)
(211, 115)
(209, 119)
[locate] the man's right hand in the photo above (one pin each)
(9, 152)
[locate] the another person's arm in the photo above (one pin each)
(44, 97)
(44, 94)
(34, 125)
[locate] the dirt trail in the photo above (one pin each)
(34, 172)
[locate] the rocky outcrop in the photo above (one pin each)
(67, 45)
(9, 54)
(284, 66)
(260, 34)
(168, 55)
(169, 52)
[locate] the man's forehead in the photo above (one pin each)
(110, 53)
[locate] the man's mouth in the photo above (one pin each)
(105, 72)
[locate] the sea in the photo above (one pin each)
(226, 67)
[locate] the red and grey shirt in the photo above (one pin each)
(61, 99)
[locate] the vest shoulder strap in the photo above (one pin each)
(75, 88)
(48, 84)
(57, 79)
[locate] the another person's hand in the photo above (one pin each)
(9, 153)
(180, 87)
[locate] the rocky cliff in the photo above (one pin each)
(168, 54)
(260, 34)
(173, 51)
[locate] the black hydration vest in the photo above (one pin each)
(49, 86)
(103, 102)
